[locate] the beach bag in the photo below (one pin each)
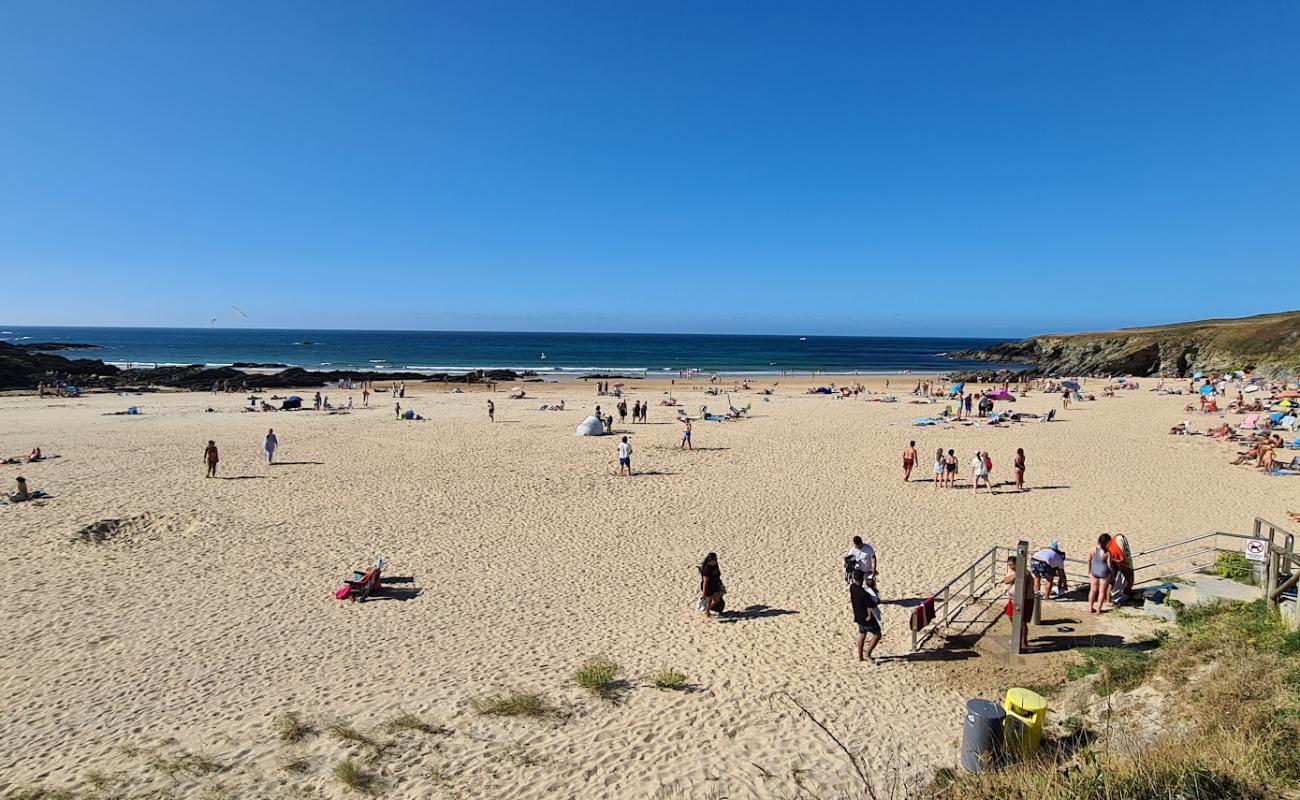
(343, 594)
(988, 463)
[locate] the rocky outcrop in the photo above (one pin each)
(1267, 345)
(23, 368)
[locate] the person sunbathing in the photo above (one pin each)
(35, 455)
(1242, 458)
(1179, 429)
(1221, 432)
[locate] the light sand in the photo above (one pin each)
(212, 612)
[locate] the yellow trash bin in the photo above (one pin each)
(1026, 716)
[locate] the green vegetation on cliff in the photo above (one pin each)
(1267, 344)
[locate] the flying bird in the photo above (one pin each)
(239, 312)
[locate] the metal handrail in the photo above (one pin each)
(943, 600)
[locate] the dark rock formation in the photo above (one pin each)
(1267, 345)
(23, 368)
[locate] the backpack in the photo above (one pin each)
(988, 463)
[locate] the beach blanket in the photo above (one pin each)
(923, 421)
(922, 615)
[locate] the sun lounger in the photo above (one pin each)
(362, 585)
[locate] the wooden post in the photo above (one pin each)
(1270, 579)
(1018, 616)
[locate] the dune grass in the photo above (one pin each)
(515, 704)
(668, 679)
(354, 777)
(599, 675)
(182, 764)
(410, 722)
(291, 727)
(1121, 668)
(1232, 690)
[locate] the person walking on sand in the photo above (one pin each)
(1019, 466)
(269, 444)
(866, 612)
(622, 411)
(398, 409)
(909, 461)
(492, 411)
(1100, 569)
(211, 458)
(686, 436)
(365, 398)
(981, 473)
(711, 588)
(938, 468)
(625, 457)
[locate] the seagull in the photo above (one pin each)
(239, 312)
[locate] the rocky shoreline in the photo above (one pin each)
(23, 367)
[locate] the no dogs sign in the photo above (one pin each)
(1257, 549)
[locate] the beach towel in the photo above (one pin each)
(1249, 422)
(922, 615)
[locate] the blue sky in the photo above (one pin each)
(946, 168)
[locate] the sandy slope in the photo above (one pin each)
(210, 611)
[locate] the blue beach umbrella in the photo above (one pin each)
(1198, 375)
(1207, 389)
(1072, 385)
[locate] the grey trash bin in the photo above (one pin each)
(981, 737)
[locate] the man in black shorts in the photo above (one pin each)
(865, 610)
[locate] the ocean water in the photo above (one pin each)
(452, 351)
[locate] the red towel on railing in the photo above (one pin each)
(923, 614)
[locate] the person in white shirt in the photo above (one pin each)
(624, 457)
(981, 472)
(1047, 565)
(861, 557)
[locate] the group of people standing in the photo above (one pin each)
(946, 467)
(639, 411)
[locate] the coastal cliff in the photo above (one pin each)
(1266, 345)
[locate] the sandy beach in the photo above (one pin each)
(208, 611)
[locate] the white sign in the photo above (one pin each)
(1257, 549)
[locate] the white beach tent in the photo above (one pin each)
(591, 426)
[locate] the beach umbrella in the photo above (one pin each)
(1072, 385)
(1288, 395)
(1197, 375)
(1007, 396)
(1207, 389)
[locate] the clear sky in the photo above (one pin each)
(902, 168)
